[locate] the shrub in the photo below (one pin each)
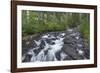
(84, 29)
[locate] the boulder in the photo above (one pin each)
(69, 40)
(42, 44)
(57, 54)
(86, 53)
(46, 52)
(68, 58)
(36, 51)
(71, 51)
(27, 58)
(49, 41)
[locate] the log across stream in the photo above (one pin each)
(55, 46)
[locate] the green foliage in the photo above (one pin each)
(84, 28)
(39, 22)
(73, 20)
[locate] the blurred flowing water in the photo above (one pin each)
(57, 46)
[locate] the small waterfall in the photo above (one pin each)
(49, 50)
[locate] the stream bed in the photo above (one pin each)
(55, 46)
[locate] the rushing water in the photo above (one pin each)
(49, 47)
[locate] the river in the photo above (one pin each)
(56, 46)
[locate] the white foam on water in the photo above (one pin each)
(52, 49)
(63, 55)
(80, 52)
(79, 45)
(33, 57)
(45, 36)
(37, 42)
(63, 34)
(77, 37)
(40, 56)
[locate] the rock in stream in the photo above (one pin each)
(55, 46)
